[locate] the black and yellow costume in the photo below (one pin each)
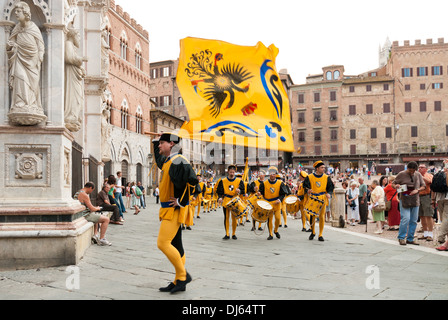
(200, 196)
(208, 197)
(320, 186)
(303, 198)
(253, 189)
(176, 174)
(226, 190)
(216, 204)
(284, 215)
(194, 192)
(271, 192)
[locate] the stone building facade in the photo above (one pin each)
(127, 97)
(386, 116)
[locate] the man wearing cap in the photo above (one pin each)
(274, 190)
(320, 186)
(227, 189)
(176, 175)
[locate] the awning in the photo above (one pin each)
(424, 158)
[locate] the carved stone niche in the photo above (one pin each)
(28, 166)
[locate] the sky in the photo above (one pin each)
(309, 34)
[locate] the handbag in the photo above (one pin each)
(353, 204)
(380, 207)
(138, 192)
(389, 202)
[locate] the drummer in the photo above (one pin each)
(254, 189)
(318, 184)
(303, 198)
(227, 189)
(244, 197)
(274, 190)
(208, 197)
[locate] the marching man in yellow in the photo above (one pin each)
(254, 189)
(176, 175)
(319, 187)
(274, 191)
(200, 196)
(208, 197)
(227, 189)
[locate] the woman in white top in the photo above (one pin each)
(352, 195)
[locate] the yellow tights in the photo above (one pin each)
(169, 242)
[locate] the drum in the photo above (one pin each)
(261, 211)
(252, 201)
(292, 204)
(314, 204)
(237, 207)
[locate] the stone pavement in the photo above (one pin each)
(347, 266)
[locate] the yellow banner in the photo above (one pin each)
(233, 95)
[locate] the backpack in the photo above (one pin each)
(439, 183)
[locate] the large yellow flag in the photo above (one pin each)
(233, 95)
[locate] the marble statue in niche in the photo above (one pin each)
(74, 85)
(25, 50)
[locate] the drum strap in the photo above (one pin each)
(318, 194)
(273, 199)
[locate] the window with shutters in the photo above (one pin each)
(301, 98)
(166, 72)
(408, 107)
(153, 73)
(437, 105)
(438, 85)
(373, 133)
(422, 71)
(384, 148)
(317, 150)
(386, 107)
(422, 106)
(437, 70)
(352, 134)
(406, 72)
(166, 101)
(352, 110)
(414, 132)
(368, 87)
(388, 132)
(302, 136)
(334, 134)
(301, 117)
(352, 89)
(369, 108)
(317, 117)
(353, 149)
(386, 87)
(316, 96)
(333, 115)
(317, 135)
(334, 148)
(332, 95)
